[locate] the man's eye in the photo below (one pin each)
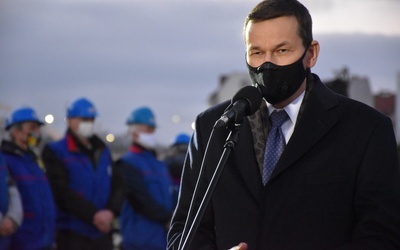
(282, 51)
(255, 53)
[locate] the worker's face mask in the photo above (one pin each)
(33, 139)
(86, 129)
(147, 140)
(278, 83)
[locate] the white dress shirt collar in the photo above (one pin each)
(292, 109)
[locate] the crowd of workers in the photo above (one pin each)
(73, 195)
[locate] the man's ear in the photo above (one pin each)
(312, 54)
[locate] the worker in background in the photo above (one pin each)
(10, 206)
(22, 136)
(147, 211)
(175, 158)
(79, 167)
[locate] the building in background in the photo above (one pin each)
(359, 89)
(352, 86)
(228, 85)
(385, 102)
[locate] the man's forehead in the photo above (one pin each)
(278, 30)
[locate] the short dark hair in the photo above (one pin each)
(269, 9)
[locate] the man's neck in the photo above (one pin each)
(82, 140)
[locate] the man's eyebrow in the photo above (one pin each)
(282, 44)
(255, 47)
(277, 46)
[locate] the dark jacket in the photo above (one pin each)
(175, 159)
(82, 181)
(336, 185)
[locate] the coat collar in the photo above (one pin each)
(248, 166)
(12, 148)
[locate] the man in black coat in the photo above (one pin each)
(336, 184)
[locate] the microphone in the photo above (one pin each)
(245, 102)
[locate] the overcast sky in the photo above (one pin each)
(167, 54)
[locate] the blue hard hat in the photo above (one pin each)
(182, 138)
(81, 107)
(24, 114)
(142, 115)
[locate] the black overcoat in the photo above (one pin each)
(336, 184)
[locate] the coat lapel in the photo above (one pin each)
(317, 119)
(246, 161)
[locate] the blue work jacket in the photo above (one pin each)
(138, 230)
(90, 178)
(38, 226)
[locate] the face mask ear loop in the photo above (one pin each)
(308, 70)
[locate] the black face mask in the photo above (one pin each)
(277, 83)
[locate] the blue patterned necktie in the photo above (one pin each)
(275, 143)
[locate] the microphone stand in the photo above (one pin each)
(229, 146)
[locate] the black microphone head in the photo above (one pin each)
(252, 95)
